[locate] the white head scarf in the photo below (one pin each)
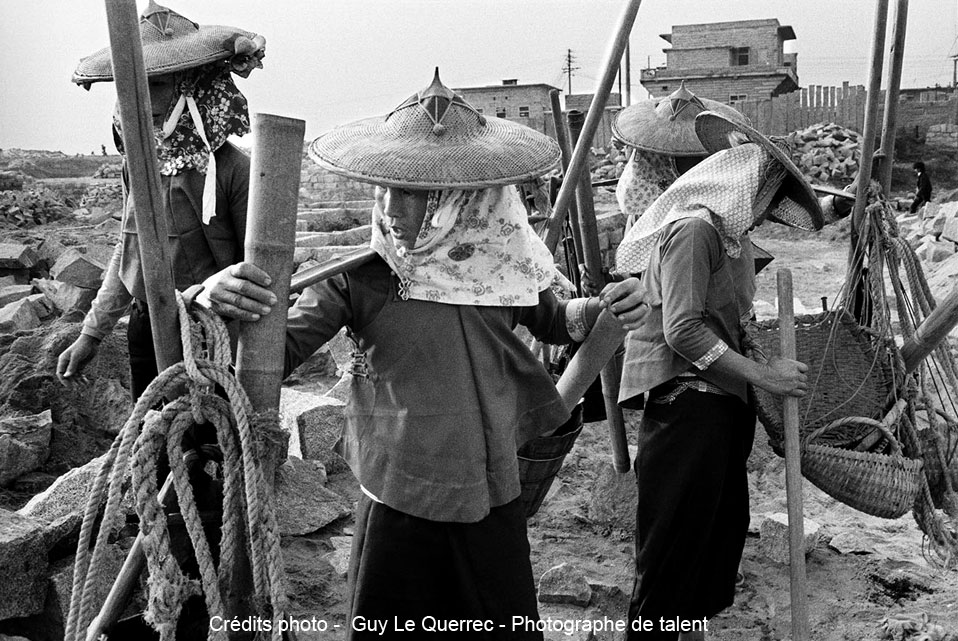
(644, 178)
(720, 190)
(474, 248)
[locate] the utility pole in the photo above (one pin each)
(628, 74)
(569, 68)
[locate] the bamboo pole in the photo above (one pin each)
(592, 256)
(562, 136)
(892, 86)
(580, 155)
(793, 469)
(332, 267)
(133, 97)
(856, 255)
(597, 349)
(931, 332)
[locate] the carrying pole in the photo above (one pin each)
(565, 146)
(892, 87)
(592, 256)
(136, 120)
(856, 257)
(932, 331)
(793, 469)
(580, 156)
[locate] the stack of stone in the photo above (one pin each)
(826, 152)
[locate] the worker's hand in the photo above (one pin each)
(74, 358)
(784, 377)
(626, 301)
(590, 285)
(239, 291)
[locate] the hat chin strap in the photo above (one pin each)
(209, 185)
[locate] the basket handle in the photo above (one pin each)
(860, 420)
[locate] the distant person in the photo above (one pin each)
(102, 150)
(922, 187)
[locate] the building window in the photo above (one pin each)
(737, 97)
(665, 87)
(500, 113)
(739, 56)
(523, 112)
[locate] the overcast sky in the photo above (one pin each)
(332, 61)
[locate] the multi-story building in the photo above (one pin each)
(726, 61)
(526, 104)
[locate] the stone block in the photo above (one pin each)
(13, 293)
(564, 583)
(65, 297)
(773, 537)
(18, 316)
(350, 237)
(78, 269)
(314, 424)
(342, 348)
(43, 306)
(340, 391)
(23, 557)
(15, 256)
(303, 504)
(68, 494)
(321, 254)
(24, 444)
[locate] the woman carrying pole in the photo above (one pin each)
(442, 390)
(687, 356)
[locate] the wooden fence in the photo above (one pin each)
(789, 112)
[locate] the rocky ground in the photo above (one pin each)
(868, 578)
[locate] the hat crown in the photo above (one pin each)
(438, 109)
(682, 99)
(163, 22)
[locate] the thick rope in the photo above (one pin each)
(248, 502)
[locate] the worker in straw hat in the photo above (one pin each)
(203, 178)
(687, 357)
(442, 389)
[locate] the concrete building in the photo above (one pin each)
(726, 61)
(526, 104)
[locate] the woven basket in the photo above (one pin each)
(541, 458)
(883, 485)
(850, 373)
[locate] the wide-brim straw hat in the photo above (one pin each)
(667, 125)
(798, 206)
(173, 43)
(436, 140)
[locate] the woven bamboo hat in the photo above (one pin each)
(436, 140)
(174, 43)
(798, 205)
(667, 125)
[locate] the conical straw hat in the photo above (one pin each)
(667, 125)
(436, 140)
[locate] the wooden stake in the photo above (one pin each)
(562, 136)
(892, 86)
(580, 156)
(793, 468)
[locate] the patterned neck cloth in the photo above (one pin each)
(207, 109)
(474, 248)
(643, 179)
(720, 190)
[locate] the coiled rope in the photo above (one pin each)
(247, 496)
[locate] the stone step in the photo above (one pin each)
(352, 237)
(321, 254)
(331, 219)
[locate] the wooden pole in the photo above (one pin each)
(892, 86)
(597, 349)
(332, 267)
(562, 136)
(934, 329)
(580, 156)
(136, 119)
(793, 469)
(592, 256)
(856, 255)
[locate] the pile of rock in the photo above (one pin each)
(608, 164)
(10, 181)
(101, 200)
(30, 208)
(826, 152)
(109, 170)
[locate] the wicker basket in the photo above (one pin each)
(541, 458)
(883, 485)
(850, 373)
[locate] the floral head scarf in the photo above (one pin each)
(643, 179)
(474, 248)
(720, 190)
(206, 110)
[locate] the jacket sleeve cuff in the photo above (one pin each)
(575, 319)
(709, 357)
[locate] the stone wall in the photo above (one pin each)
(942, 137)
(319, 187)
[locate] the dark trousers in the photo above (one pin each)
(692, 515)
(407, 569)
